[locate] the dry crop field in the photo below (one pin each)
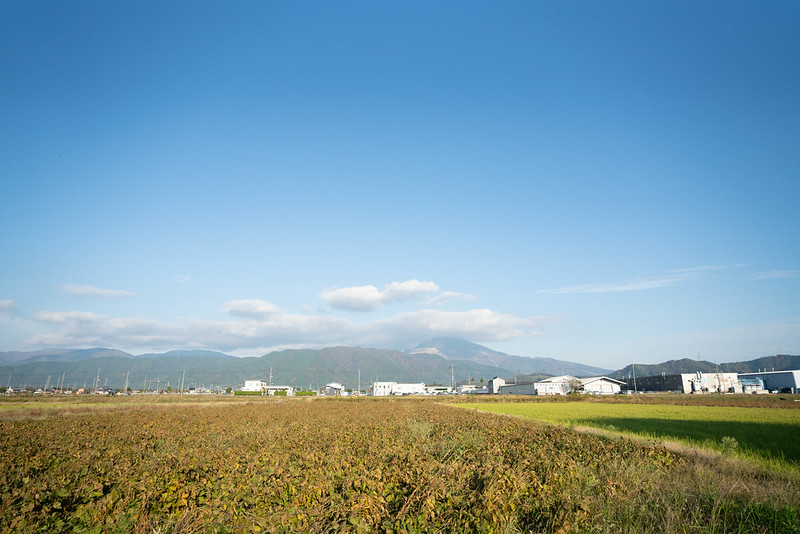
(360, 465)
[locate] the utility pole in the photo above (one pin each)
(145, 383)
(125, 389)
(359, 381)
(61, 388)
(97, 380)
(452, 377)
(183, 378)
(270, 377)
(633, 365)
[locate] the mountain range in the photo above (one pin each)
(440, 360)
(460, 349)
(74, 355)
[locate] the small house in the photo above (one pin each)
(333, 389)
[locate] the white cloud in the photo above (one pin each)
(79, 328)
(408, 290)
(6, 307)
(640, 283)
(92, 291)
(768, 275)
(252, 308)
(182, 278)
(365, 298)
(483, 324)
(67, 317)
(361, 298)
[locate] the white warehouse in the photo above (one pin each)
(383, 389)
(788, 381)
(557, 385)
(254, 385)
(601, 385)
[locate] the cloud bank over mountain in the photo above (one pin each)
(251, 326)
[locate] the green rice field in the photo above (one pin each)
(766, 434)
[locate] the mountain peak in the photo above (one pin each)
(454, 348)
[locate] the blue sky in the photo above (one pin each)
(605, 182)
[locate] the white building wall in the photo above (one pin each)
(777, 379)
(551, 388)
(382, 389)
(601, 386)
(409, 389)
(254, 385)
(710, 382)
(271, 390)
(495, 384)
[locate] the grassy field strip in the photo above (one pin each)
(761, 433)
(50, 408)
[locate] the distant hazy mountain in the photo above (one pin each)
(306, 367)
(300, 368)
(671, 367)
(432, 362)
(455, 348)
(780, 362)
(63, 355)
(16, 355)
(195, 353)
(115, 371)
(74, 355)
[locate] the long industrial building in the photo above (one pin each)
(688, 383)
(782, 381)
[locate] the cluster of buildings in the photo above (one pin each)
(697, 383)
(558, 385)
(759, 382)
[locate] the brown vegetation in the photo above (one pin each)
(400, 465)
